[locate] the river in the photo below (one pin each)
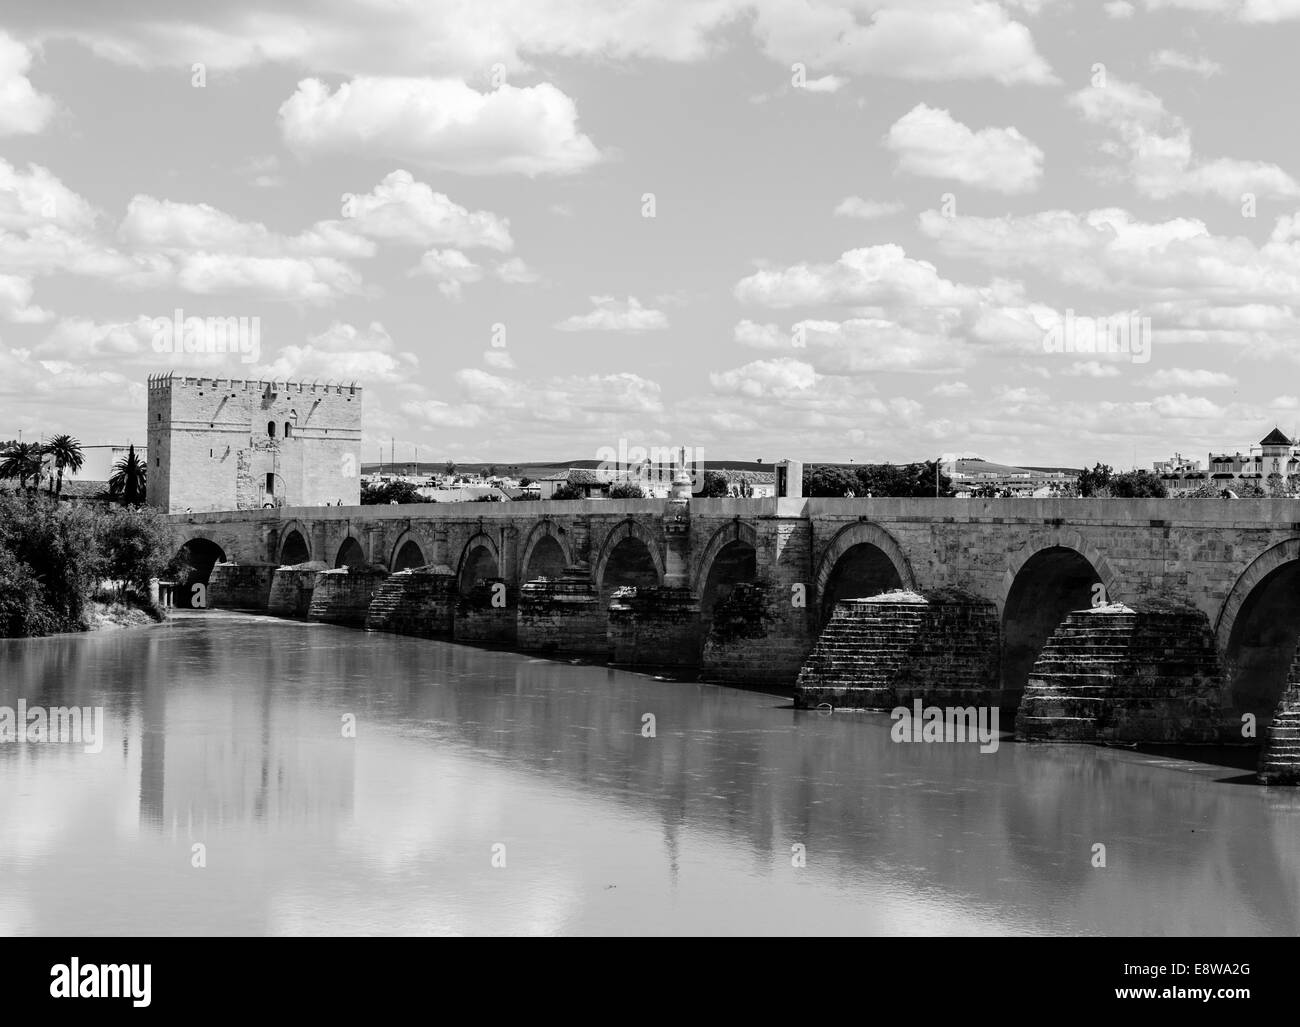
(487, 792)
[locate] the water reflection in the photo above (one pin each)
(226, 731)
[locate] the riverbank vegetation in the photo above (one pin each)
(58, 561)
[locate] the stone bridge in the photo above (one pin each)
(1105, 618)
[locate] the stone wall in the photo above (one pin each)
(562, 615)
(888, 650)
(291, 589)
(487, 613)
(655, 627)
(1118, 674)
(417, 602)
(240, 586)
(343, 596)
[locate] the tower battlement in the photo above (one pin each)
(220, 443)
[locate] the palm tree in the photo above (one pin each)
(22, 460)
(127, 482)
(66, 452)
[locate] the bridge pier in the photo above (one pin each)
(489, 612)
(1118, 674)
(940, 647)
(342, 596)
(292, 587)
(656, 626)
(240, 586)
(418, 601)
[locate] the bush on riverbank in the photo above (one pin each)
(53, 559)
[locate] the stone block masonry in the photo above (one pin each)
(656, 626)
(888, 650)
(343, 596)
(291, 589)
(1279, 760)
(562, 615)
(1118, 674)
(240, 586)
(418, 602)
(488, 613)
(230, 444)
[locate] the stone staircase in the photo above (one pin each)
(416, 602)
(885, 651)
(1118, 674)
(1279, 758)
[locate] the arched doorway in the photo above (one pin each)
(863, 570)
(735, 563)
(350, 554)
(547, 560)
(629, 562)
(192, 566)
(477, 565)
(294, 550)
(408, 555)
(1047, 587)
(1262, 644)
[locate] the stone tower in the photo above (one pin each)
(228, 444)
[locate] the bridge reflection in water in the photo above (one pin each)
(225, 730)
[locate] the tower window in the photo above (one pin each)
(270, 482)
(288, 429)
(270, 428)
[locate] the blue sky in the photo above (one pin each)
(445, 202)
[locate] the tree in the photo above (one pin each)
(824, 480)
(21, 461)
(134, 545)
(449, 467)
(914, 480)
(389, 492)
(525, 481)
(715, 485)
(569, 491)
(128, 480)
(1092, 482)
(1137, 485)
(626, 490)
(66, 452)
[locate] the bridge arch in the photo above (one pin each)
(546, 551)
(407, 552)
(1042, 584)
(730, 558)
(192, 565)
(351, 552)
(629, 556)
(1258, 629)
(294, 544)
(861, 559)
(480, 558)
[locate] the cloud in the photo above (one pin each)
(345, 353)
(825, 84)
(951, 390)
(450, 269)
(766, 378)
(613, 315)
(515, 272)
(1185, 378)
(23, 111)
(930, 142)
(857, 207)
(1091, 369)
(1119, 9)
(1247, 11)
(1173, 60)
(930, 43)
(1158, 146)
(442, 124)
(400, 209)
